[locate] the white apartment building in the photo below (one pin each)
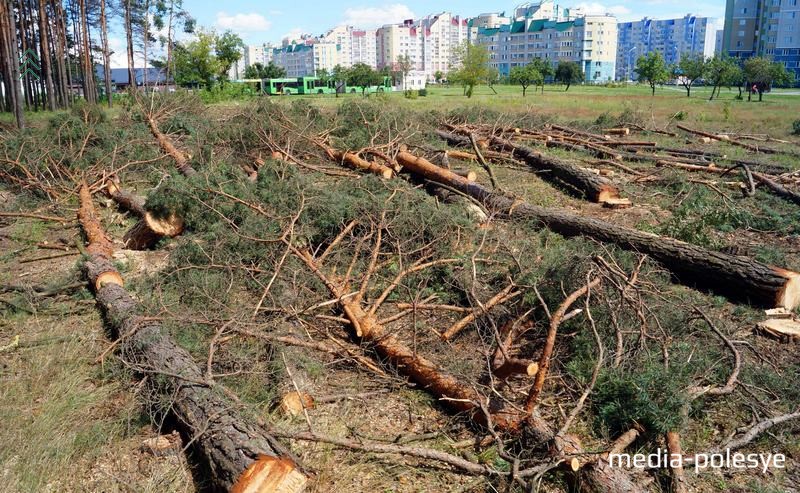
(548, 32)
(670, 37)
(364, 47)
(430, 43)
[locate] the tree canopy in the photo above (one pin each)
(569, 73)
(762, 73)
(652, 68)
(722, 71)
(228, 48)
(525, 76)
(690, 68)
(195, 61)
(474, 60)
(363, 76)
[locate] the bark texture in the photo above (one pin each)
(239, 455)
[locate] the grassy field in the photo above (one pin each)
(73, 423)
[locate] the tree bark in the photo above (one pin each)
(166, 144)
(737, 277)
(129, 37)
(47, 67)
(239, 455)
(106, 52)
(14, 84)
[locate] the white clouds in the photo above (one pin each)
(595, 8)
(243, 22)
(295, 34)
(377, 16)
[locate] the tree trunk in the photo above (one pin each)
(106, 52)
(47, 67)
(676, 455)
(62, 53)
(88, 66)
(129, 37)
(239, 455)
(13, 84)
(149, 230)
(593, 187)
(738, 277)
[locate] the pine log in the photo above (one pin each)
(239, 455)
(618, 131)
(125, 199)
(729, 140)
(594, 187)
(354, 161)
(738, 277)
(676, 463)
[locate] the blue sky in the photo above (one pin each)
(259, 21)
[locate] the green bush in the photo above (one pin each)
(423, 92)
(796, 127)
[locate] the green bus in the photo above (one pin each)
(313, 85)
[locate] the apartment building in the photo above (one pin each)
(768, 28)
(670, 37)
(296, 59)
(485, 21)
(431, 44)
(590, 41)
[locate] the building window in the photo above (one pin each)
(740, 34)
(742, 22)
(744, 10)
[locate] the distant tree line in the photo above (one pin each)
(756, 75)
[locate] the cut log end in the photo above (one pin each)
(574, 464)
(149, 230)
(789, 296)
(607, 193)
(270, 475)
(293, 403)
(617, 203)
(106, 278)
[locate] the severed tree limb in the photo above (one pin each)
(730, 384)
(499, 298)
(547, 352)
(676, 462)
(240, 455)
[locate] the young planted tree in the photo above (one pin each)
(525, 76)
(474, 61)
(438, 76)
(652, 68)
(545, 68)
(690, 69)
(404, 66)
(569, 73)
(363, 76)
(722, 71)
(228, 49)
(761, 74)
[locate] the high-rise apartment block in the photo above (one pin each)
(547, 31)
(671, 37)
(769, 28)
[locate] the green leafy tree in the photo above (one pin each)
(690, 68)
(339, 76)
(403, 67)
(569, 73)
(438, 76)
(545, 68)
(273, 71)
(474, 62)
(762, 73)
(254, 71)
(228, 49)
(363, 76)
(525, 76)
(195, 62)
(722, 71)
(652, 68)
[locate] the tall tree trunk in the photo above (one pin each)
(62, 54)
(169, 40)
(12, 50)
(46, 61)
(129, 36)
(23, 46)
(106, 53)
(145, 41)
(88, 68)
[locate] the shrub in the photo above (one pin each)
(423, 92)
(796, 127)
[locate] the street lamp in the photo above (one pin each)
(630, 62)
